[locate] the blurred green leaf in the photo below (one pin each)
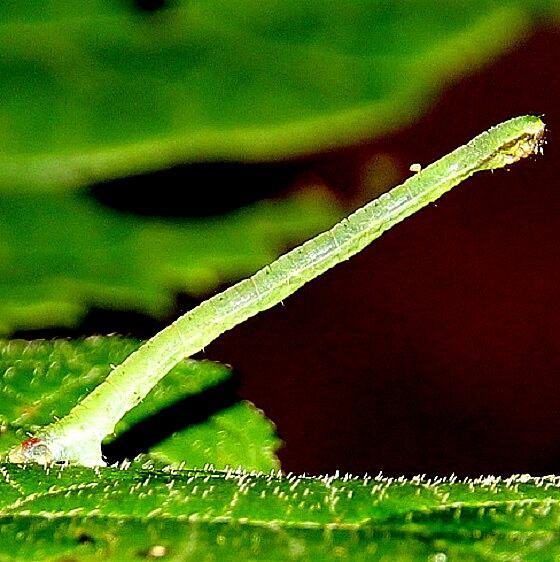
(60, 255)
(111, 514)
(42, 380)
(97, 90)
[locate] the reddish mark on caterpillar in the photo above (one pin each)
(31, 442)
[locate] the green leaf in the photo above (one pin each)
(61, 254)
(136, 514)
(227, 438)
(95, 90)
(43, 380)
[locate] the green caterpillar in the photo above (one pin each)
(77, 437)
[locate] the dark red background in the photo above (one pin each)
(437, 349)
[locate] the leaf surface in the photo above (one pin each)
(60, 255)
(102, 91)
(43, 380)
(184, 515)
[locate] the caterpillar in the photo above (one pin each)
(78, 436)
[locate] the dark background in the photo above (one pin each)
(437, 349)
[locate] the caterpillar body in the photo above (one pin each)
(78, 436)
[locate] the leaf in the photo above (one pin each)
(42, 380)
(62, 255)
(96, 91)
(132, 514)
(226, 439)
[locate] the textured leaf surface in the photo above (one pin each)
(97, 90)
(139, 514)
(60, 255)
(42, 380)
